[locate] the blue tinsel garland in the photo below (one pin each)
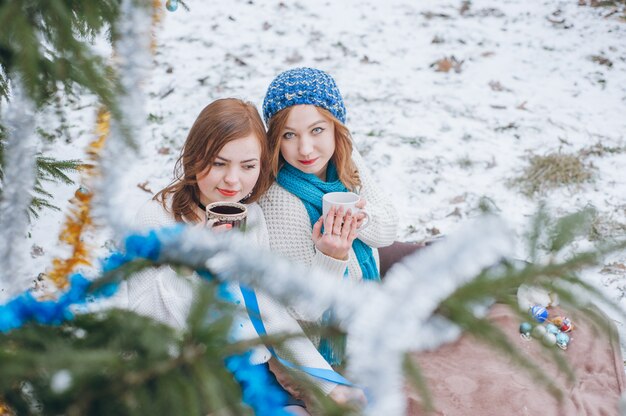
(265, 399)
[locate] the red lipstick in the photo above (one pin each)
(227, 192)
(308, 162)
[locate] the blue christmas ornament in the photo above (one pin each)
(171, 5)
(562, 340)
(539, 313)
(524, 330)
(552, 329)
(525, 327)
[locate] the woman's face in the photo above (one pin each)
(307, 141)
(233, 173)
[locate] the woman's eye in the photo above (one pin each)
(249, 167)
(317, 130)
(219, 164)
(289, 135)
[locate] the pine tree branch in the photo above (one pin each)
(65, 26)
(54, 170)
(48, 170)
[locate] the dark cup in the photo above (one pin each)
(234, 213)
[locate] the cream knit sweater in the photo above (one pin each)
(290, 228)
(163, 295)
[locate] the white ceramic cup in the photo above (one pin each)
(345, 200)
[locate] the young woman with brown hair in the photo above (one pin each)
(224, 158)
(222, 125)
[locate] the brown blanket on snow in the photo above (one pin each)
(468, 377)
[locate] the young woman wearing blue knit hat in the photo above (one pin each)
(312, 154)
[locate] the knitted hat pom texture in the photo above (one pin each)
(303, 86)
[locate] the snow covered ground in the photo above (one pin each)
(525, 79)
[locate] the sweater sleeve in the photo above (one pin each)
(383, 226)
(159, 293)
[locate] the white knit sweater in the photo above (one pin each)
(163, 295)
(290, 228)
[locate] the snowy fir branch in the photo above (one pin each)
(48, 170)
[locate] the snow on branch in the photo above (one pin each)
(19, 171)
(383, 321)
(132, 53)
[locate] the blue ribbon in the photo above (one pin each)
(25, 307)
(252, 306)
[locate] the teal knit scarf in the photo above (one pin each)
(310, 189)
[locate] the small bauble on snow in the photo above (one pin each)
(563, 323)
(552, 329)
(524, 329)
(539, 331)
(171, 5)
(548, 339)
(539, 313)
(562, 340)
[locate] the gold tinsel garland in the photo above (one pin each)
(79, 217)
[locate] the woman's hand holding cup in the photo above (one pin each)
(218, 228)
(347, 200)
(361, 216)
(340, 230)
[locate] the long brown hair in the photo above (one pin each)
(342, 158)
(218, 123)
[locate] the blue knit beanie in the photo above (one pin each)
(303, 86)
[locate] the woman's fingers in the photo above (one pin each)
(361, 203)
(329, 221)
(221, 228)
(354, 230)
(347, 225)
(360, 216)
(340, 230)
(317, 229)
(339, 220)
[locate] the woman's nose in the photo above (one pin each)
(305, 146)
(232, 176)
